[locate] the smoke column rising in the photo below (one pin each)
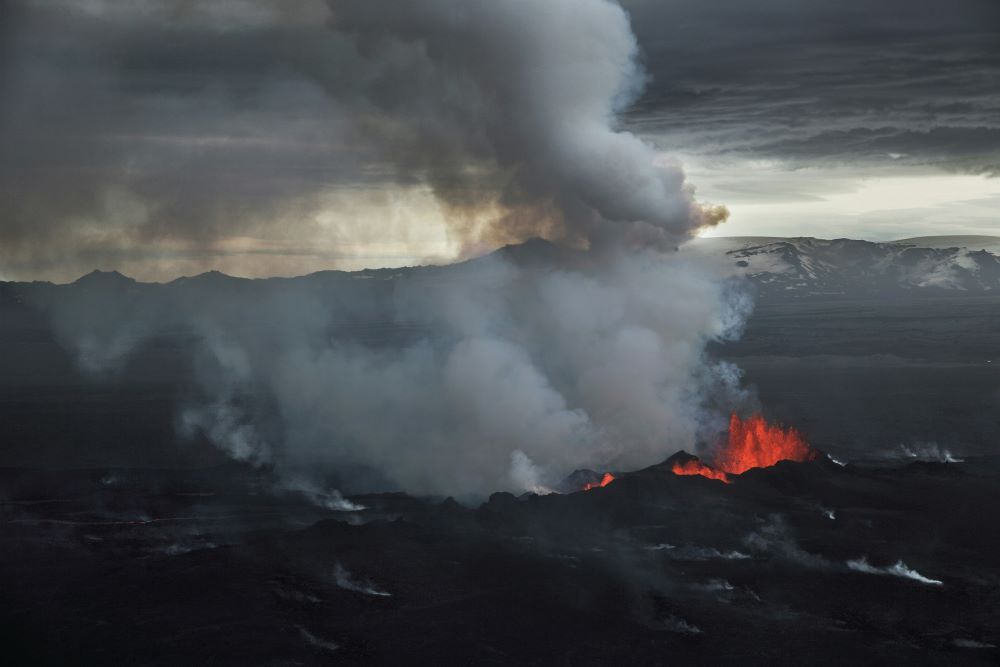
(510, 105)
(506, 372)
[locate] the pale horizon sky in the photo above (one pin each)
(829, 203)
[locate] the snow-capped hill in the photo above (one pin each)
(969, 241)
(808, 265)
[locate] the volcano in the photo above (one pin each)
(751, 443)
(606, 479)
(685, 464)
(756, 444)
(759, 550)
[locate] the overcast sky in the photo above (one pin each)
(169, 137)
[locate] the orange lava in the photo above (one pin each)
(696, 467)
(756, 444)
(607, 479)
(752, 444)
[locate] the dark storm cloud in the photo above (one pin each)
(142, 129)
(168, 125)
(121, 131)
(815, 82)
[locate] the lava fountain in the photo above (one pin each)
(607, 479)
(752, 443)
(756, 444)
(696, 467)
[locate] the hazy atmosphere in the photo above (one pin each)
(165, 138)
(531, 332)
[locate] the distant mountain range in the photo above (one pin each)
(810, 266)
(791, 267)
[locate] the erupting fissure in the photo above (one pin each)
(696, 467)
(607, 479)
(756, 444)
(752, 443)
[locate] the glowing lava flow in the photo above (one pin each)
(756, 444)
(607, 479)
(696, 467)
(752, 444)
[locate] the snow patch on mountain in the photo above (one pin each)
(842, 266)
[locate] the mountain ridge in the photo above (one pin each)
(775, 265)
(848, 266)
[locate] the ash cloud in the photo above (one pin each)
(506, 372)
(512, 104)
(180, 135)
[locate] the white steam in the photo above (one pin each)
(697, 553)
(348, 582)
(898, 570)
(680, 626)
(832, 458)
(927, 451)
(776, 538)
(461, 380)
(318, 642)
(330, 499)
(525, 475)
(227, 428)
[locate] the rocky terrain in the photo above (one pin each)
(122, 544)
(809, 266)
(820, 561)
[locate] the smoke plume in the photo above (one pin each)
(509, 107)
(505, 372)
(899, 569)
(500, 373)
